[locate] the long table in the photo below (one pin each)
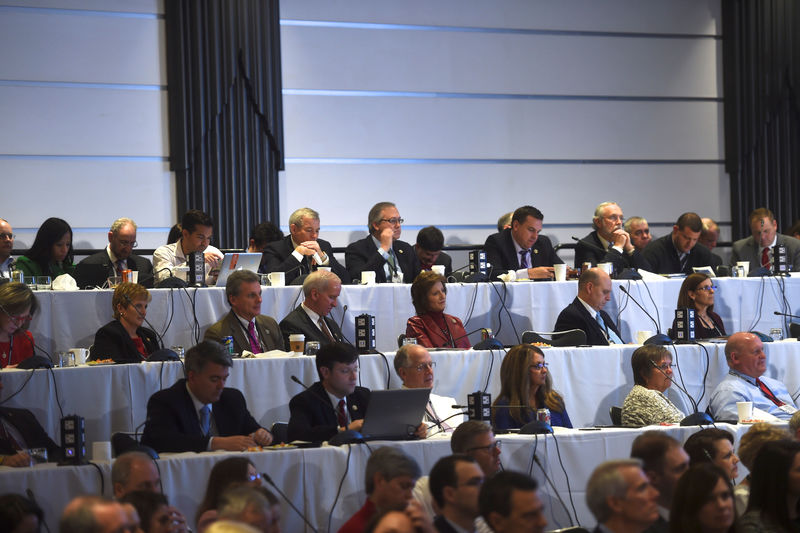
(70, 319)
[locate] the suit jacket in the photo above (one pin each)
(441, 525)
(748, 250)
(112, 340)
(363, 255)
(659, 526)
(502, 255)
(91, 277)
(663, 257)
(587, 250)
(298, 321)
(31, 431)
(575, 316)
(173, 425)
(430, 335)
(278, 258)
(230, 326)
(313, 418)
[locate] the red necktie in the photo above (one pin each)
(765, 258)
(768, 393)
(341, 415)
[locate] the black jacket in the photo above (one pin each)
(113, 341)
(575, 316)
(278, 258)
(313, 417)
(363, 255)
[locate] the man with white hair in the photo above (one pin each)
(609, 242)
(117, 256)
(311, 318)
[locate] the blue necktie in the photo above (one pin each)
(612, 337)
(205, 419)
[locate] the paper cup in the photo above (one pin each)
(277, 279)
(561, 272)
(745, 266)
(745, 410)
(297, 342)
(368, 277)
(439, 269)
(101, 451)
(643, 335)
(608, 267)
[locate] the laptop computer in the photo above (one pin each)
(394, 414)
(237, 261)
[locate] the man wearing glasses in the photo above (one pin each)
(196, 233)
(381, 251)
(6, 245)
(609, 242)
(455, 483)
(118, 256)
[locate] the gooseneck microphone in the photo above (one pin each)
(268, 479)
(490, 343)
(659, 338)
(160, 340)
(296, 380)
(697, 418)
(777, 313)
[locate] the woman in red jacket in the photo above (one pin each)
(432, 327)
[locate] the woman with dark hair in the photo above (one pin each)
(18, 514)
(712, 445)
(18, 304)
(703, 502)
(774, 489)
(155, 515)
(225, 474)
(749, 445)
(525, 380)
(432, 327)
(697, 292)
(125, 339)
(51, 252)
(646, 403)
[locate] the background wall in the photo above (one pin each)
(457, 110)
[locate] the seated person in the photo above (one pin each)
(697, 292)
(704, 503)
(332, 404)
(118, 256)
(639, 230)
(746, 382)
(18, 304)
(7, 262)
(679, 251)
(302, 251)
(586, 310)
(20, 514)
(713, 445)
(609, 242)
(227, 473)
(197, 229)
(198, 413)
(524, 380)
(432, 327)
(19, 432)
(254, 506)
(154, 512)
(709, 237)
(750, 444)
(428, 248)
(51, 252)
(757, 248)
(250, 330)
(125, 339)
(260, 237)
(311, 318)
(646, 404)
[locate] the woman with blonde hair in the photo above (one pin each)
(125, 339)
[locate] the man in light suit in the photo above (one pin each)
(758, 247)
(321, 290)
(594, 291)
(250, 330)
(117, 256)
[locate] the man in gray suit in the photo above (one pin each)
(758, 248)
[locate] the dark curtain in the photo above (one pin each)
(761, 63)
(225, 111)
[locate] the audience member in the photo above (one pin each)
(198, 413)
(155, 513)
(197, 230)
(794, 231)
(428, 248)
(794, 426)
(251, 506)
(509, 503)
(639, 230)
(250, 330)
(609, 242)
(697, 292)
(134, 471)
(774, 489)
(18, 304)
(51, 252)
(94, 270)
(389, 478)
(709, 235)
(525, 381)
(227, 473)
(758, 247)
(19, 432)
(646, 404)
(125, 339)
(431, 326)
(703, 502)
(749, 446)
(746, 382)
(455, 482)
(302, 251)
(621, 498)
(391, 522)
(678, 252)
(95, 514)
(521, 248)
(713, 445)
(663, 461)
(312, 317)
(18, 514)
(504, 222)
(586, 310)
(229, 526)
(382, 251)
(332, 404)
(261, 236)
(6, 247)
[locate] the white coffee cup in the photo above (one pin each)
(560, 271)
(643, 335)
(368, 277)
(81, 354)
(745, 410)
(608, 267)
(135, 276)
(439, 269)
(277, 279)
(297, 342)
(745, 266)
(101, 451)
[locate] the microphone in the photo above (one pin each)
(294, 378)
(170, 282)
(786, 314)
(696, 418)
(490, 343)
(438, 422)
(296, 510)
(659, 338)
(344, 312)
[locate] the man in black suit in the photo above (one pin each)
(609, 242)
(332, 404)
(381, 251)
(118, 256)
(455, 482)
(586, 310)
(679, 251)
(198, 413)
(20, 431)
(302, 251)
(521, 248)
(321, 290)
(621, 497)
(509, 502)
(428, 248)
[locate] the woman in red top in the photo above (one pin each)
(17, 306)
(432, 327)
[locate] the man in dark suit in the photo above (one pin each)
(521, 248)
(586, 310)
(381, 251)
(609, 242)
(455, 482)
(633, 509)
(250, 330)
(20, 431)
(321, 290)
(509, 501)
(118, 256)
(302, 251)
(428, 248)
(332, 404)
(198, 413)
(758, 247)
(679, 251)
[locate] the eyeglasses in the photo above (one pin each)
(539, 366)
(666, 366)
(7, 236)
(422, 367)
(708, 288)
(393, 221)
(615, 218)
(254, 477)
(133, 244)
(490, 448)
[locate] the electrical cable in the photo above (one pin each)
(341, 482)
